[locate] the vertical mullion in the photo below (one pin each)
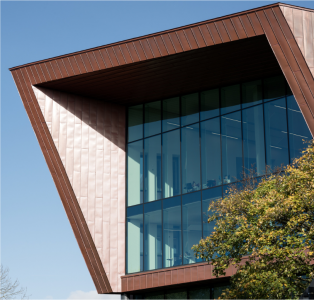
(243, 171)
(287, 121)
(126, 185)
(161, 186)
(143, 179)
(220, 128)
(264, 120)
(180, 99)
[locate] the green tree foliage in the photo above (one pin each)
(266, 231)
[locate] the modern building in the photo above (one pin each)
(140, 136)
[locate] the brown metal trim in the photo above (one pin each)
(62, 183)
(171, 276)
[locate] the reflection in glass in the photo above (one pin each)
(155, 295)
(152, 236)
(252, 93)
(190, 149)
(274, 88)
(276, 134)
(211, 154)
(207, 197)
(192, 225)
(152, 168)
(172, 232)
(152, 114)
(134, 239)
(230, 98)
(231, 143)
(179, 294)
(171, 163)
(135, 123)
(218, 290)
(199, 293)
(298, 129)
(189, 109)
(135, 173)
(209, 104)
(253, 140)
(170, 114)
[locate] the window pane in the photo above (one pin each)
(199, 293)
(171, 163)
(192, 225)
(231, 147)
(211, 153)
(152, 239)
(274, 88)
(152, 168)
(181, 294)
(154, 295)
(218, 290)
(172, 232)
(189, 109)
(135, 239)
(152, 123)
(253, 140)
(135, 173)
(252, 93)
(276, 134)
(209, 104)
(298, 129)
(135, 123)
(171, 114)
(207, 197)
(190, 158)
(230, 98)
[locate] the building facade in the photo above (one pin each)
(141, 135)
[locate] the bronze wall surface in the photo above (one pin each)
(154, 55)
(301, 23)
(89, 136)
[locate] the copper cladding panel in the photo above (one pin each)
(84, 164)
(84, 133)
(301, 23)
(171, 276)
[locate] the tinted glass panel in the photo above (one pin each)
(152, 168)
(231, 147)
(218, 290)
(189, 109)
(152, 115)
(230, 98)
(182, 294)
(298, 129)
(135, 239)
(153, 239)
(253, 140)
(153, 296)
(207, 197)
(171, 114)
(171, 163)
(199, 293)
(172, 232)
(211, 153)
(135, 173)
(252, 93)
(276, 134)
(209, 104)
(190, 149)
(192, 225)
(274, 88)
(135, 123)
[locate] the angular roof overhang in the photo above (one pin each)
(250, 44)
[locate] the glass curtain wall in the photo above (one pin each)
(183, 152)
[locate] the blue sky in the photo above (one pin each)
(37, 242)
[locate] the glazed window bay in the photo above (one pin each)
(183, 152)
